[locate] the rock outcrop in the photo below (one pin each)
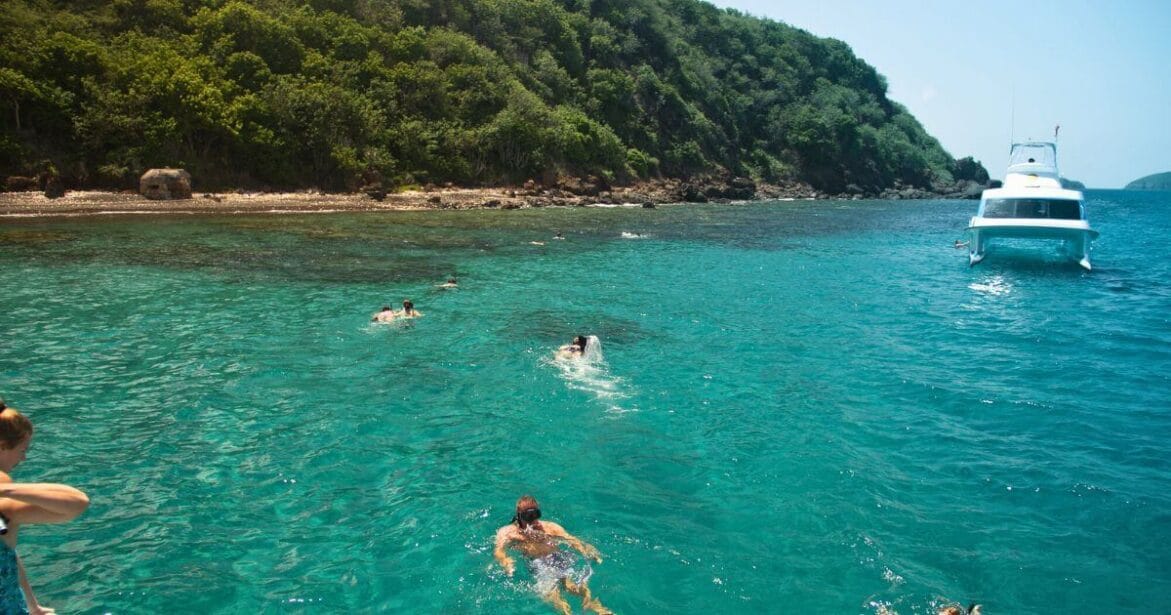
(21, 183)
(165, 184)
(54, 188)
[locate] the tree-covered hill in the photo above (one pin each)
(335, 94)
(1158, 181)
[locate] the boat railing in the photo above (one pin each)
(1040, 153)
(1033, 168)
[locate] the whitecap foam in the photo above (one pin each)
(995, 285)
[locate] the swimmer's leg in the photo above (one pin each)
(554, 598)
(587, 601)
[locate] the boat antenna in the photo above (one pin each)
(1056, 129)
(1012, 121)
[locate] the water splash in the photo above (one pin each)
(590, 373)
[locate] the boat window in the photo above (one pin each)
(1065, 210)
(1061, 209)
(999, 208)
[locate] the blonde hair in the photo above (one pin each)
(525, 502)
(14, 427)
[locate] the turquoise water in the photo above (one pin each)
(805, 407)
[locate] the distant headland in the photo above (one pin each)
(1158, 181)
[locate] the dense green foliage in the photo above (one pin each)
(1158, 181)
(338, 93)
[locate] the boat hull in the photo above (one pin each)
(1077, 234)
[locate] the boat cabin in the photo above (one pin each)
(1056, 209)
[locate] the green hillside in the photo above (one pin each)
(336, 94)
(1158, 181)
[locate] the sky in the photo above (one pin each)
(979, 75)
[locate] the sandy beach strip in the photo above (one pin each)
(82, 202)
(642, 194)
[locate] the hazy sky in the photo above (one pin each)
(1099, 68)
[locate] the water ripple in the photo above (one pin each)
(835, 413)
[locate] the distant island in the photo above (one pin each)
(1158, 181)
(384, 96)
(1072, 184)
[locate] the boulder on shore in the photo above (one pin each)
(54, 189)
(165, 184)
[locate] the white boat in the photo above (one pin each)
(1032, 204)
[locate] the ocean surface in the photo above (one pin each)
(804, 407)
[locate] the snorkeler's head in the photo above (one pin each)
(581, 341)
(407, 305)
(527, 511)
(386, 308)
(15, 427)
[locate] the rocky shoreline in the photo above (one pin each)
(566, 193)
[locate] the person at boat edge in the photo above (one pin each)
(22, 504)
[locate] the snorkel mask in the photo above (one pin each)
(528, 516)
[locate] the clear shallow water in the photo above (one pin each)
(805, 407)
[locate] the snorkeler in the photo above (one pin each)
(409, 310)
(450, 283)
(552, 567)
(573, 350)
(384, 315)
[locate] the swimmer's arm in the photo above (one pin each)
(583, 547)
(44, 502)
(507, 563)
